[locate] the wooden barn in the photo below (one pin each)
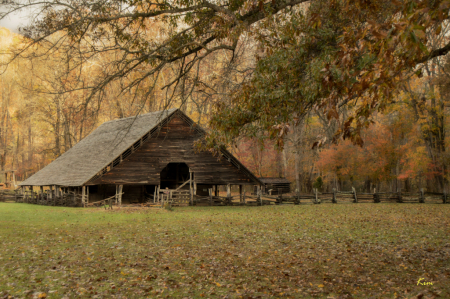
(275, 185)
(136, 160)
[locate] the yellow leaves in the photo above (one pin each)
(320, 286)
(4, 32)
(42, 295)
(218, 284)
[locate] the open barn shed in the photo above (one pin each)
(136, 160)
(275, 185)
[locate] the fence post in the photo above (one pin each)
(297, 200)
(316, 200)
(334, 196)
(399, 196)
(355, 198)
(422, 196)
(376, 197)
(280, 197)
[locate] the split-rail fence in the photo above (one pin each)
(183, 197)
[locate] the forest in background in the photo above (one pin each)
(47, 107)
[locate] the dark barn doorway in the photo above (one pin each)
(174, 175)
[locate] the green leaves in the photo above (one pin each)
(337, 54)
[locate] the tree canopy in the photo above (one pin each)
(308, 55)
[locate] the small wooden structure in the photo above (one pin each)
(275, 185)
(145, 159)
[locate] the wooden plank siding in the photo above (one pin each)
(173, 144)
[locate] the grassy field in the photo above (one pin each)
(306, 251)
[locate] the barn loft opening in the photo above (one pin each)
(174, 175)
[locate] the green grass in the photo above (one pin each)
(306, 251)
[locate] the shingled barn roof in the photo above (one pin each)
(103, 148)
(89, 156)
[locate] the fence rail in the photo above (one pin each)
(354, 197)
(181, 199)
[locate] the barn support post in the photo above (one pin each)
(210, 196)
(119, 198)
(158, 193)
(50, 194)
(240, 194)
(258, 195)
(444, 197)
(116, 196)
(195, 191)
(83, 196)
(191, 193)
(243, 197)
(31, 194)
(41, 192)
(87, 194)
(14, 180)
(216, 190)
(55, 194)
(228, 194)
(154, 195)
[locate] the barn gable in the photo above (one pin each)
(174, 144)
(135, 150)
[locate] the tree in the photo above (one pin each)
(313, 54)
(335, 54)
(318, 183)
